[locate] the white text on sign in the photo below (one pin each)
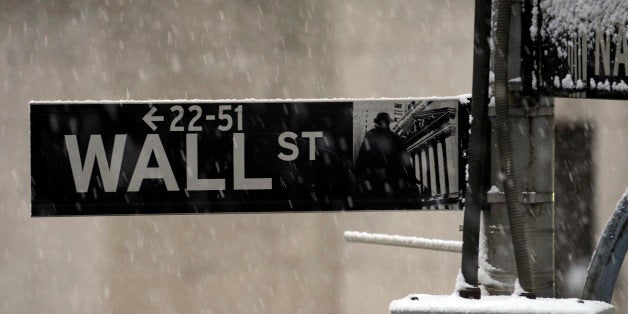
(109, 170)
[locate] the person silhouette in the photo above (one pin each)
(383, 168)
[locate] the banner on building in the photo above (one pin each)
(574, 48)
(170, 157)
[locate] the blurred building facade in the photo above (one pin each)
(278, 263)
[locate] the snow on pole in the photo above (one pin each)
(396, 240)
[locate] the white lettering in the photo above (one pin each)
(603, 48)
(153, 145)
(95, 153)
(312, 136)
(240, 182)
(193, 182)
(621, 52)
(288, 145)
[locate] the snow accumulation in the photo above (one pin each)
(567, 19)
(608, 86)
(567, 82)
(580, 84)
(415, 242)
(460, 98)
(604, 86)
(484, 267)
(494, 189)
(425, 303)
(518, 289)
(621, 86)
(556, 82)
(464, 99)
(513, 304)
(460, 282)
(535, 20)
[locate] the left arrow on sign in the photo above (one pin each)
(149, 118)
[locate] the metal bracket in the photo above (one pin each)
(529, 112)
(526, 197)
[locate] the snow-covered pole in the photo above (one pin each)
(411, 242)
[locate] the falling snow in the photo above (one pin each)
(259, 263)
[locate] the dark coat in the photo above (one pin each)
(384, 168)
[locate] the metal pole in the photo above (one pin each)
(533, 133)
(478, 148)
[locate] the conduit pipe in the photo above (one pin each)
(505, 148)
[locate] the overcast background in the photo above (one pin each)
(255, 263)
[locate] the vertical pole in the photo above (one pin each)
(478, 149)
(533, 131)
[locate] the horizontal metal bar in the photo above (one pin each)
(535, 111)
(505, 230)
(412, 242)
(526, 197)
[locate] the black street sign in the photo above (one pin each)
(160, 157)
(575, 48)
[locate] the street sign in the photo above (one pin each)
(575, 48)
(159, 157)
